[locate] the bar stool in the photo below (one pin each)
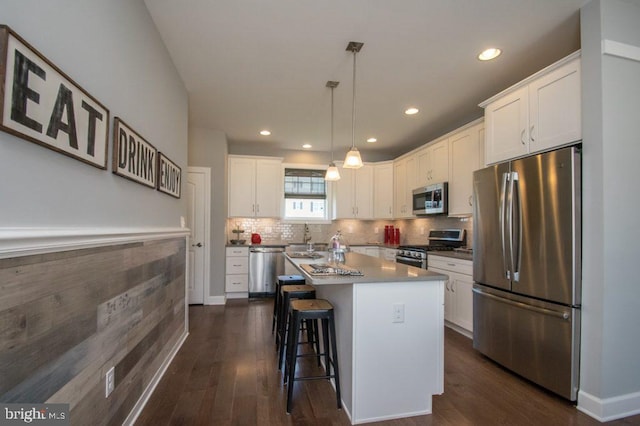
(283, 280)
(289, 293)
(311, 310)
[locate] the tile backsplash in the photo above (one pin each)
(355, 231)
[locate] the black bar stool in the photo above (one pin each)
(289, 293)
(283, 280)
(311, 310)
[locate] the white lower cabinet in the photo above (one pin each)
(237, 270)
(389, 254)
(458, 298)
(367, 250)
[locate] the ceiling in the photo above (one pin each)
(250, 65)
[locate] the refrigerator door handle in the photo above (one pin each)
(516, 237)
(502, 213)
(558, 314)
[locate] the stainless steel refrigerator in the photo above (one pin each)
(526, 267)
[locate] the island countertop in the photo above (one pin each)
(374, 270)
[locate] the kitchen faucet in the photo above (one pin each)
(307, 237)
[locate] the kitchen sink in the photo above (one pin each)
(301, 247)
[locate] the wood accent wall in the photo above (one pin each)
(67, 317)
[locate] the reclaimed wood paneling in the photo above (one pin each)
(67, 317)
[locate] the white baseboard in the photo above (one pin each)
(608, 409)
(144, 398)
(215, 300)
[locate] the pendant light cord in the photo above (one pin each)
(353, 119)
(332, 87)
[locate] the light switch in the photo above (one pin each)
(398, 312)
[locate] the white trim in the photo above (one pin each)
(15, 242)
(215, 300)
(608, 409)
(621, 50)
(144, 398)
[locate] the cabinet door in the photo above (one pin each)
(363, 191)
(439, 157)
(507, 127)
(269, 186)
(449, 305)
(400, 193)
(462, 288)
(555, 108)
(242, 182)
(465, 149)
(343, 199)
(383, 191)
(423, 168)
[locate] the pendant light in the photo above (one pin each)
(332, 172)
(353, 160)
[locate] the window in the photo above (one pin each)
(305, 194)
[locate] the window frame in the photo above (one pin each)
(329, 193)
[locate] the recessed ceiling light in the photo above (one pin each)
(489, 54)
(372, 140)
(306, 146)
(265, 132)
(411, 111)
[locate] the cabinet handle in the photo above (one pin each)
(470, 198)
(453, 287)
(253, 208)
(446, 284)
(257, 208)
(522, 137)
(531, 134)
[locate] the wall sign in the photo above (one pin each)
(42, 104)
(169, 176)
(133, 157)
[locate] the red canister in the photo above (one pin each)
(396, 237)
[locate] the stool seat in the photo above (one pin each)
(296, 288)
(310, 305)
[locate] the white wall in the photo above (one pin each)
(111, 49)
(208, 148)
(610, 356)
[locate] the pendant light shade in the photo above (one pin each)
(353, 159)
(332, 172)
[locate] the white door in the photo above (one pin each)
(198, 182)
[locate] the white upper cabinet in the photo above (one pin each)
(255, 187)
(403, 201)
(538, 114)
(353, 193)
(383, 190)
(466, 150)
(433, 163)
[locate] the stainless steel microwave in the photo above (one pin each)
(431, 199)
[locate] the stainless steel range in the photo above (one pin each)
(439, 240)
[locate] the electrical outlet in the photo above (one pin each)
(183, 222)
(398, 312)
(350, 229)
(376, 230)
(110, 382)
(268, 230)
(422, 231)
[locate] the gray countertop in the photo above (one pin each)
(374, 270)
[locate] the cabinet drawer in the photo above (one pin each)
(237, 251)
(460, 266)
(237, 265)
(236, 282)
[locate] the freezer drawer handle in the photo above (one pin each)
(564, 315)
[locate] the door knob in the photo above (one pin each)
(196, 245)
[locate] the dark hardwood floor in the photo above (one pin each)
(226, 374)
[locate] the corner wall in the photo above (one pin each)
(208, 148)
(610, 349)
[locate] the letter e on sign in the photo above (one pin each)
(40, 103)
(169, 176)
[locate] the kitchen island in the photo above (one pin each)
(390, 335)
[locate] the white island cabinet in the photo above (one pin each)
(390, 336)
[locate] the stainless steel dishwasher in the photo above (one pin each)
(265, 264)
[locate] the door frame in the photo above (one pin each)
(207, 229)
